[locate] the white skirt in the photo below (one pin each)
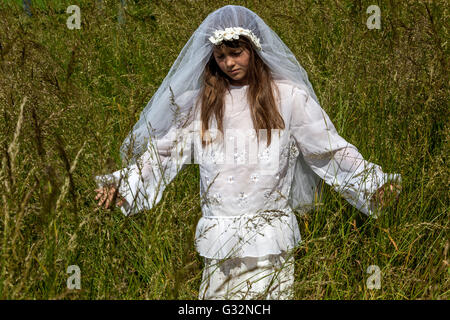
(270, 277)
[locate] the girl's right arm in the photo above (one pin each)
(141, 184)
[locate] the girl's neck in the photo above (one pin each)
(238, 83)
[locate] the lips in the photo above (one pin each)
(234, 71)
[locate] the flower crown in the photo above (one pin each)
(233, 33)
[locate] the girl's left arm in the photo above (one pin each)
(335, 160)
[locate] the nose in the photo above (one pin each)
(229, 62)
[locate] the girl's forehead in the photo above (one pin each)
(224, 49)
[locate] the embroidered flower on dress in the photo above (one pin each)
(242, 199)
(264, 155)
(216, 157)
(254, 177)
(216, 199)
(239, 157)
(268, 195)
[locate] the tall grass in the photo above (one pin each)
(69, 97)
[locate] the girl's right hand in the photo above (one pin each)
(106, 195)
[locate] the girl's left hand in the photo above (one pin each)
(387, 194)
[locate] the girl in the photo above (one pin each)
(236, 81)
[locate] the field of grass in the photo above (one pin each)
(69, 97)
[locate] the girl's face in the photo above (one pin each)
(234, 63)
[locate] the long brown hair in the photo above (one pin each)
(263, 108)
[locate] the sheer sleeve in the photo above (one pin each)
(332, 158)
(142, 184)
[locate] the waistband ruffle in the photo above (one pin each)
(256, 235)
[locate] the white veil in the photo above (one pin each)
(186, 73)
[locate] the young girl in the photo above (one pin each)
(236, 81)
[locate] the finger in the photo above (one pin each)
(110, 198)
(397, 193)
(392, 191)
(375, 196)
(102, 199)
(381, 194)
(102, 189)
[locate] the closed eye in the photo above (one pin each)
(233, 54)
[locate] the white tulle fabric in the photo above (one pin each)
(186, 74)
(247, 213)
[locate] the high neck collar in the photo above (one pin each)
(238, 86)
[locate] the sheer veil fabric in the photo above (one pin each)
(185, 76)
(244, 218)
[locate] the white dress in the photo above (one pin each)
(248, 226)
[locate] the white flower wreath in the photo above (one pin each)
(234, 33)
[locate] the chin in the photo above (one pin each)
(237, 78)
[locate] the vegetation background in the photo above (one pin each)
(69, 97)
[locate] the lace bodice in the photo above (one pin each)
(246, 205)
